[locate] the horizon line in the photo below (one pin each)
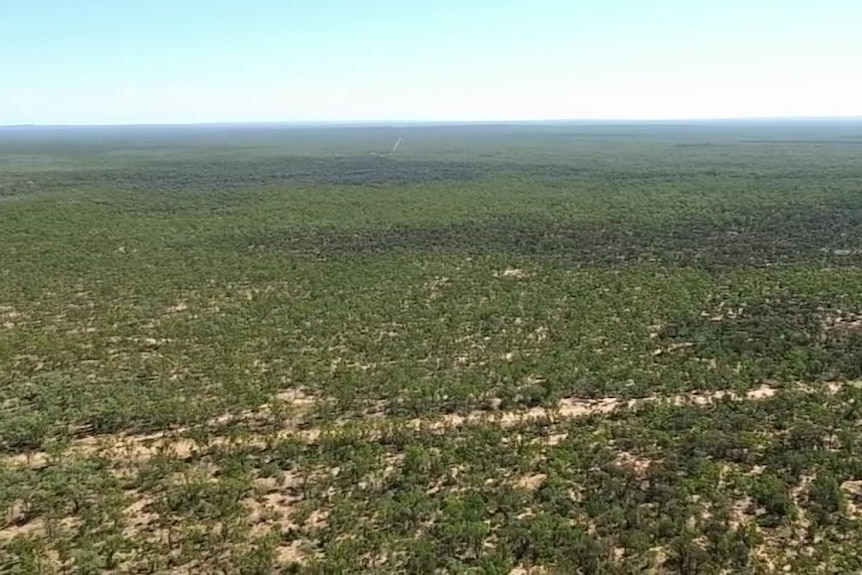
(452, 122)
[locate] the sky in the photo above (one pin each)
(192, 61)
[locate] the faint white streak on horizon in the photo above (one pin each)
(395, 147)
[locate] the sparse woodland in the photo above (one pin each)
(559, 349)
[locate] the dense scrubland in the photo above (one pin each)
(500, 349)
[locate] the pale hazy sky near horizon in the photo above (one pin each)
(178, 61)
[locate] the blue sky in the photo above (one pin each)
(163, 61)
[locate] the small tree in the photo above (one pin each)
(825, 498)
(771, 492)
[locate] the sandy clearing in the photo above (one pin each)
(570, 408)
(35, 527)
(513, 273)
(853, 489)
(137, 448)
(139, 516)
(531, 482)
(273, 504)
(534, 570)
(291, 553)
(636, 463)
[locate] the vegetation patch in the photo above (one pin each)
(499, 349)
